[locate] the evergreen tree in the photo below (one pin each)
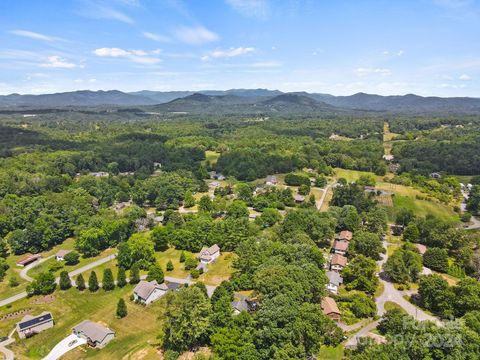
(80, 282)
(155, 273)
(121, 308)
(93, 282)
(65, 282)
(121, 277)
(188, 201)
(170, 265)
(182, 257)
(134, 275)
(108, 283)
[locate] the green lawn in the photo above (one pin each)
(422, 208)
(14, 270)
(83, 261)
(135, 334)
(390, 305)
(220, 270)
(331, 353)
(211, 156)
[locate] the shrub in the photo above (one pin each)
(72, 258)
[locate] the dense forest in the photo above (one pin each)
(64, 174)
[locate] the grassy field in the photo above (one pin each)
(405, 196)
(135, 334)
(83, 261)
(331, 353)
(220, 270)
(211, 156)
(14, 270)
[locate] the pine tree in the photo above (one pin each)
(134, 275)
(108, 283)
(182, 257)
(121, 308)
(93, 282)
(65, 282)
(188, 201)
(170, 265)
(155, 273)
(121, 277)
(80, 282)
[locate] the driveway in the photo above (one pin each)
(73, 273)
(8, 354)
(26, 269)
(322, 199)
(64, 346)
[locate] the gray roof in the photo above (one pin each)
(334, 278)
(32, 321)
(240, 303)
(95, 332)
(145, 288)
(206, 252)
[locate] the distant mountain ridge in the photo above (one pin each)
(247, 100)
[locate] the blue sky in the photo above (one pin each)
(427, 47)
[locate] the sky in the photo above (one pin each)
(341, 47)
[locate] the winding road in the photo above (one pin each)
(73, 273)
(393, 295)
(324, 195)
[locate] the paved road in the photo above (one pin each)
(324, 195)
(73, 273)
(474, 222)
(393, 295)
(26, 269)
(8, 354)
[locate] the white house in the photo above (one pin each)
(334, 281)
(96, 335)
(60, 255)
(208, 255)
(147, 292)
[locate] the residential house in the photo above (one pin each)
(388, 157)
(435, 175)
(298, 198)
(345, 235)
(32, 325)
(340, 247)
(330, 309)
(99, 174)
(334, 281)
(208, 255)
(147, 292)
(97, 335)
(338, 262)
(242, 303)
(60, 255)
(271, 180)
(221, 177)
(214, 184)
(28, 260)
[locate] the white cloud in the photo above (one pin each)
(156, 37)
(33, 35)
(400, 53)
(232, 52)
(97, 10)
(138, 56)
(464, 77)
(81, 81)
(57, 62)
(195, 35)
(386, 52)
(111, 52)
(369, 71)
(250, 8)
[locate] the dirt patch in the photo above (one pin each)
(47, 299)
(189, 355)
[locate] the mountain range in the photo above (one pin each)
(245, 101)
